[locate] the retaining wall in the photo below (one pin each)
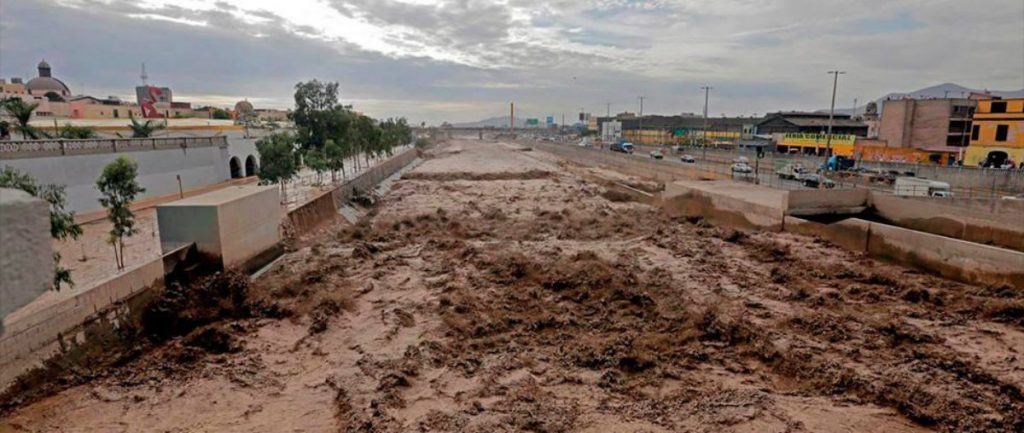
(324, 207)
(997, 222)
(952, 258)
(34, 336)
(721, 203)
(817, 202)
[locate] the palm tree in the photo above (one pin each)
(22, 112)
(144, 129)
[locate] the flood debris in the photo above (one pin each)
(474, 300)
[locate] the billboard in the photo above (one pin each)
(532, 122)
(149, 96)
(550, 120)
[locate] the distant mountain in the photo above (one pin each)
(503, 122)
(495, 122)
(945, 90)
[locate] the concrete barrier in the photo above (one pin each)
(729, 203)
(994, 222)
(952, 258)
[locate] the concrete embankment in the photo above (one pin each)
(751, 207)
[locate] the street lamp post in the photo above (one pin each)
(704, 133)
(831, 113)
(640, 127)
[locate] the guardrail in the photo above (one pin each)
(60, 147)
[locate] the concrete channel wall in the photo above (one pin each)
(995, 222)
(728, 203)
(952, 258)
(38, 335)
(324, 207)
(818, 202)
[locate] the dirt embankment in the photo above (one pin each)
(500, 302)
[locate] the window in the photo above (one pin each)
(1001, 132)
(116, 114)
(975, 131)
(999, 106)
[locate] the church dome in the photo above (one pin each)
(243, 107)
(46, 85)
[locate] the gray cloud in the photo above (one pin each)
(465, 59)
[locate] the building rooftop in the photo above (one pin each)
(220, 196)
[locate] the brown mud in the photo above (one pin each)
(505, 302)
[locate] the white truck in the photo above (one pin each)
(918, 187)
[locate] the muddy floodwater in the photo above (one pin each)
(501, 290)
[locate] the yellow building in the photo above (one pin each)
(662, 137)
(997, 134)
(816, 144)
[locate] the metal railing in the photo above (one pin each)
(60, 147)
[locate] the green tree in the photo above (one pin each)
(144, 129)
(70, 131)
(62, 220)
(365, 137)
(119, 187)
(318, 115)
(335, 154)
(21, 111)
(219, 113)
(277, 159)
(316, 161)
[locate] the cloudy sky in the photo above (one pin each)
(462, 60)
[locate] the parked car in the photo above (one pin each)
(624, 147)
(817, 181)
(656, 154)
(741, 167)
(689, 159)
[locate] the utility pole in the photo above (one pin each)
(831, 112)
(854, 112)
(609, 112)
(512, 118)
(704, 134)
(640, 127)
